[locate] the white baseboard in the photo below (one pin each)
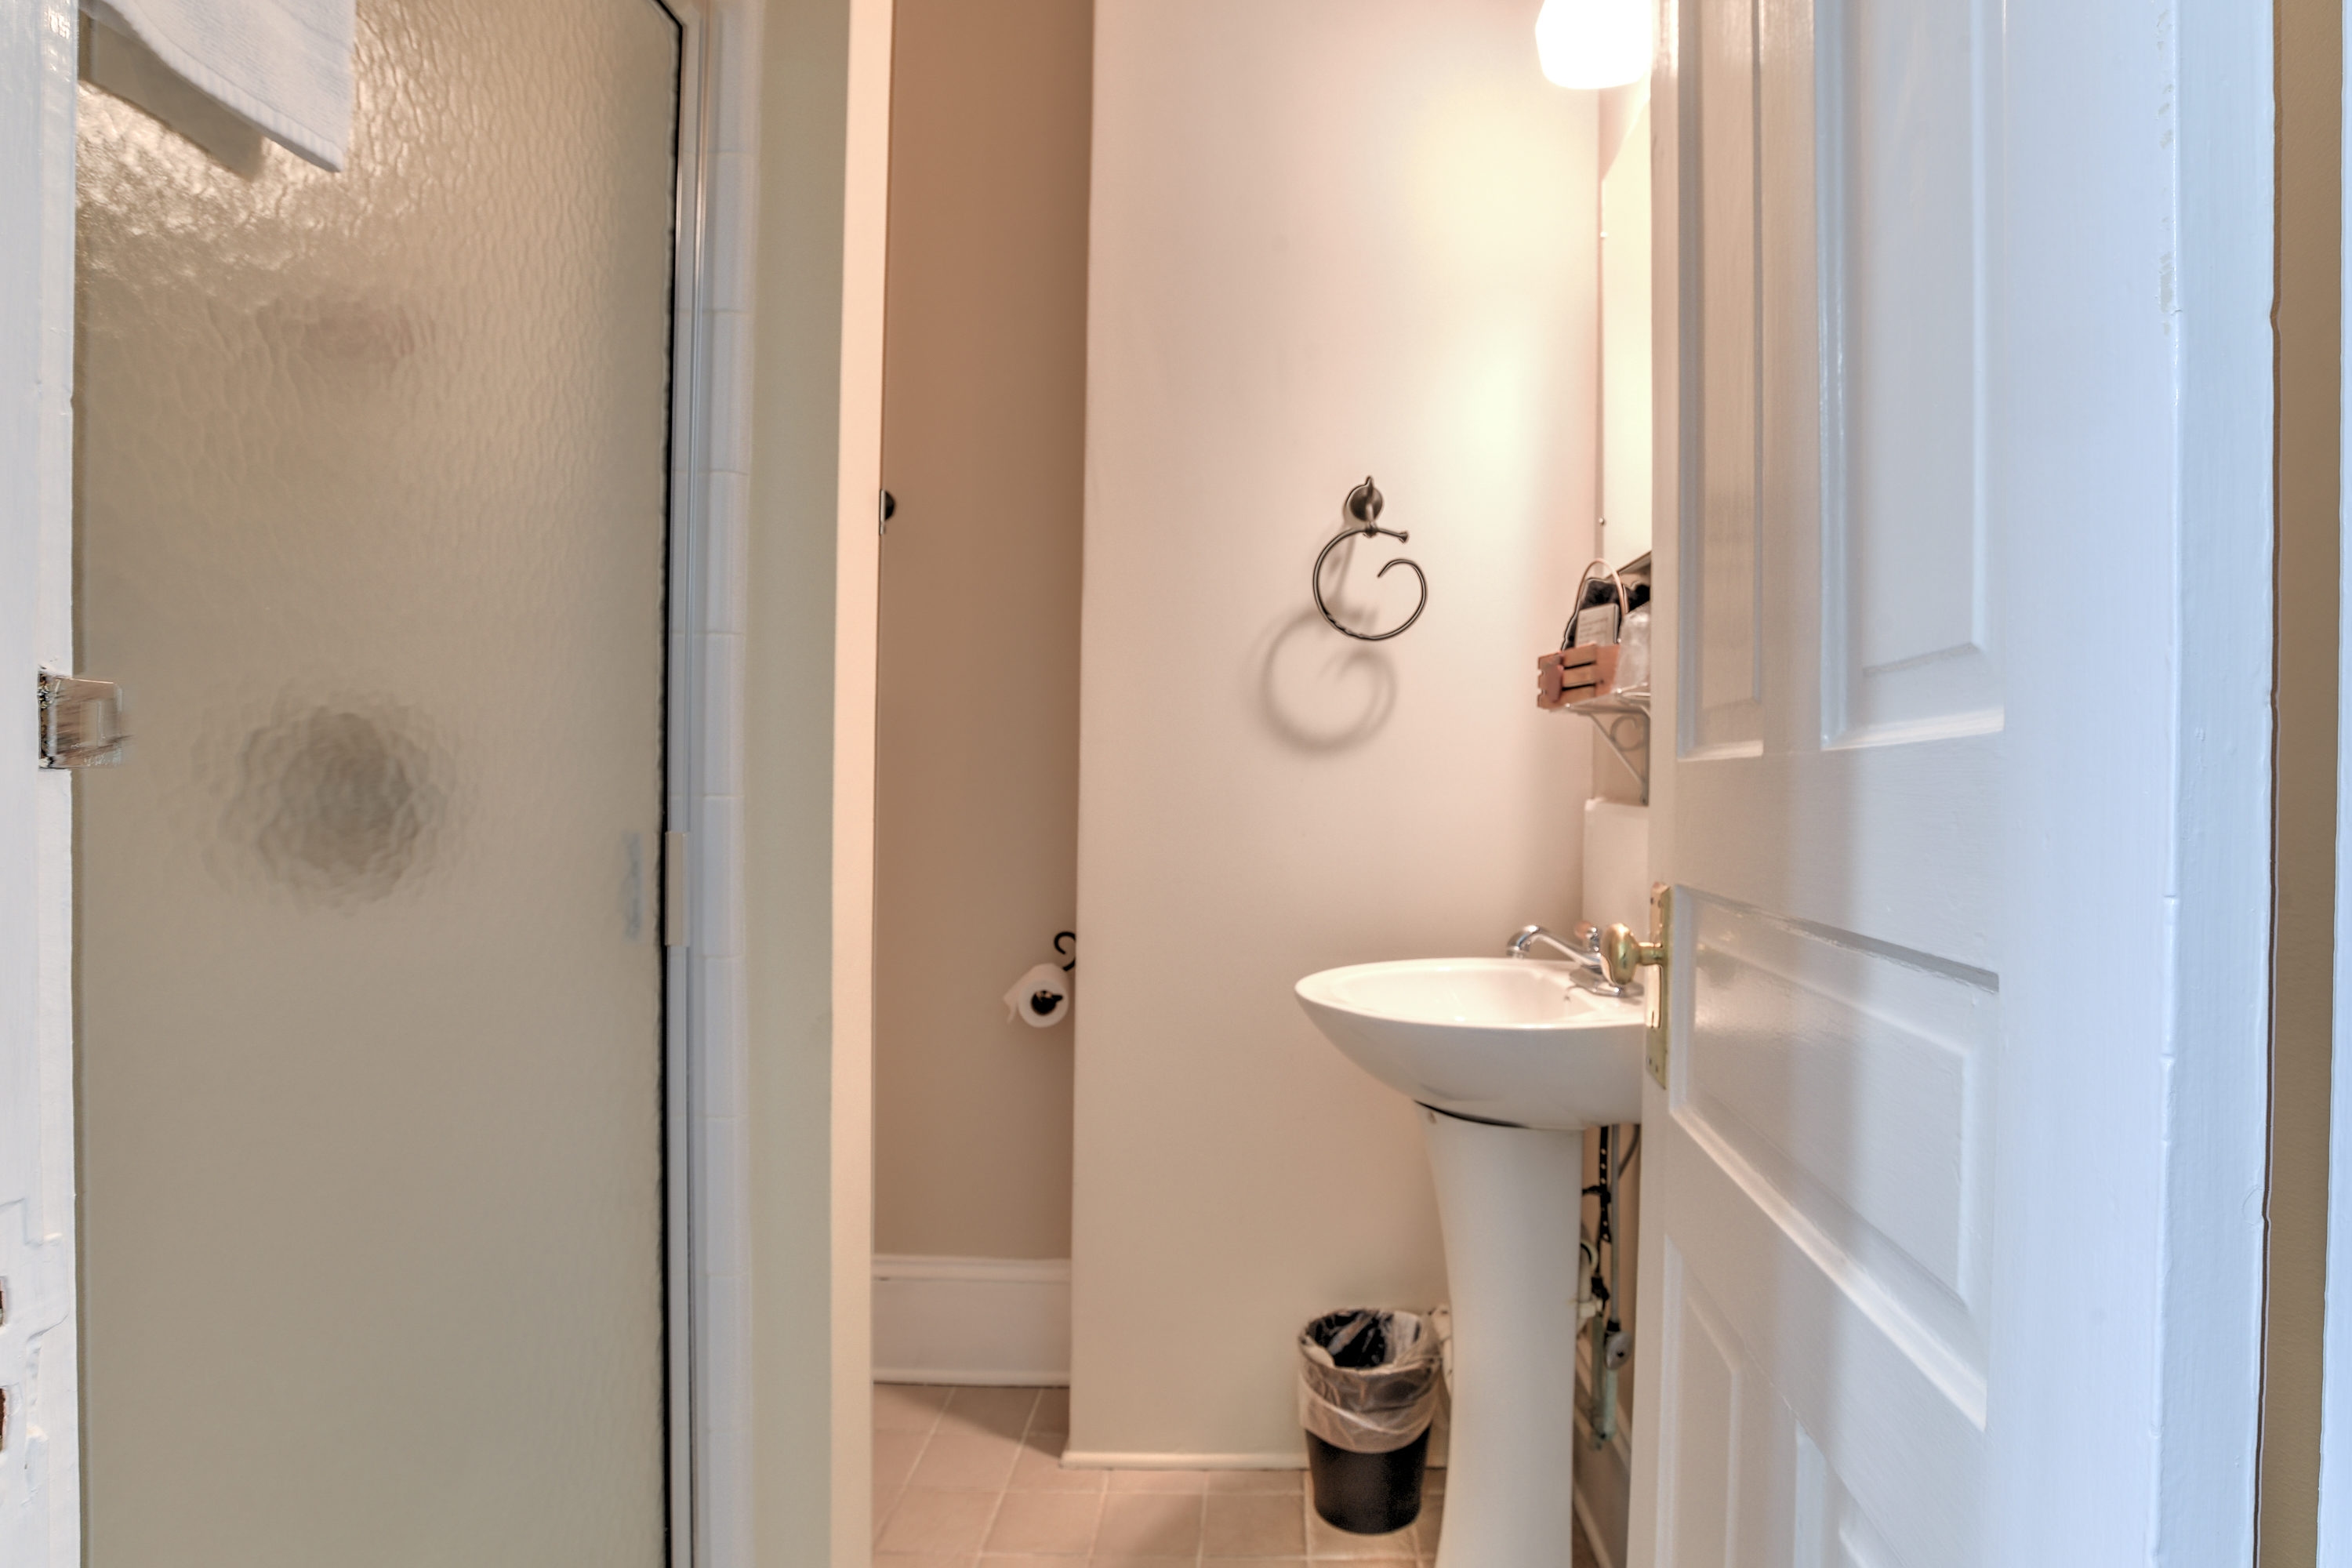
(1106, 1459)
(1101, 1459)
(974, 1321)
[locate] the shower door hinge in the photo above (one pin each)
(675, 885)
(81, 723)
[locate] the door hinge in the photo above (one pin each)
(81, 723)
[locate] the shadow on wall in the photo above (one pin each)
(1317, 692)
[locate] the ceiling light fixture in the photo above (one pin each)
(1593, 43)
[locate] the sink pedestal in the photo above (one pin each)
(1509, 1199)
(1518, 1059)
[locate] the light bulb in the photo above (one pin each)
(1593, 43)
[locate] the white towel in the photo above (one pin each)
(285, 65)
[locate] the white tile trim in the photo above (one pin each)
(712, 1393)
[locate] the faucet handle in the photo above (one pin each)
(1588, 936)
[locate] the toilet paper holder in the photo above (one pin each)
(1041, 997)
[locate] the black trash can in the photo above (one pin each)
(1368, 1387)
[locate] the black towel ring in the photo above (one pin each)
(1363, 505)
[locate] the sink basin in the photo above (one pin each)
(1512, 1040)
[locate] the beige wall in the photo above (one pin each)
(984, 422)
(1329, 236)
(2310, 88)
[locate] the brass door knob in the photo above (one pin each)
(1622, 953)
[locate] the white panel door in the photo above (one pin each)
(1823, 1256)
(1820, 1158)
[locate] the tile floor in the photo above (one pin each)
(972, 1478)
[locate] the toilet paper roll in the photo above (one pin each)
(1040, 998)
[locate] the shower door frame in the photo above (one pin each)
(706, 1178)
(705, 1034)
(685, 723)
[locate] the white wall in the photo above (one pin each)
(1329, 238)
(813, 434)
(1625, 340)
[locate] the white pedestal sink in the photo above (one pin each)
(1509, 1062)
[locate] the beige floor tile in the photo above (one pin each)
(946, 1524)
(1042, 1472)
(1433, 1517)
(1046, 1522)
(970, 1478)
(966, 1461)
(1425, 1529)
(1147, 1524)
(1254, 1525)
(1194, 1481)
(1326, 1541)
(1003, 1411)
(907, 1407)
(894, 1460)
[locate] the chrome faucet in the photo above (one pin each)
(1583, 955)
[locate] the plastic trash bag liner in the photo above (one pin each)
(1369, 1380)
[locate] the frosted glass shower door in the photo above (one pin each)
(372, 511)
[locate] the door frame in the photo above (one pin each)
(2129, 1348)
(705, 1043)
(41, 1436)
(2334, 1523)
